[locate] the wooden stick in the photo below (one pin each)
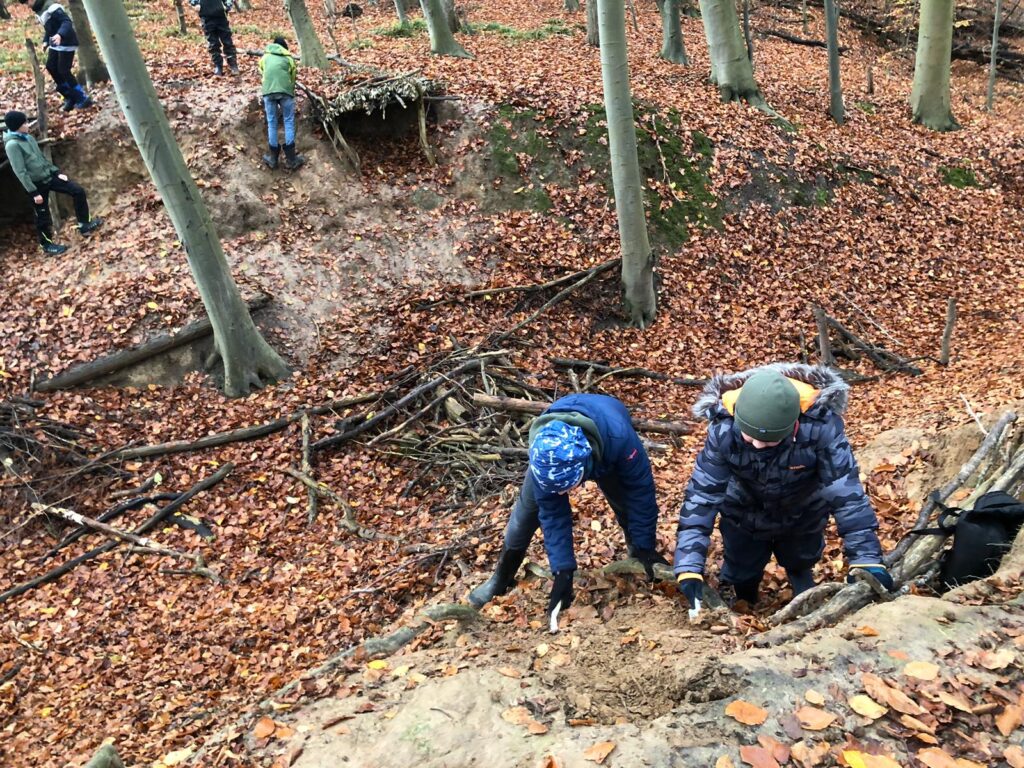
(606, 370)
(796, 40)
(349, 521)
(421, 116)
(604, 266)
(118, 361)
(535, 407)
(148, 525)
(824, 346)
(311, 494)
(947, 332)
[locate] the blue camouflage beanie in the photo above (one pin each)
(558, 457)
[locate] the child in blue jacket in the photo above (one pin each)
(61, 42)
(578, 438)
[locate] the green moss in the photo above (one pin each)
(959, 176)
(409, 29)
(549, 28)
(865, 106)
(361, 44)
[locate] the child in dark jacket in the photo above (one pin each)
(61, 42)
(578, 438)
(214, 16)
(776, 464)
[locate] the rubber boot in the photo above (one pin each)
(81, 98)
(745, 591)
(271, 156)
(90, 226)
(233, 65)
(800, 581)
(69, 100)
(292, 160)
(218, 68)
(502, 581)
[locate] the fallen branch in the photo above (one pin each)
(805, 603)
(348, 521)
(118, 361)
(155, 519)
(141, 542)
(570, 278)
(536, 407)
(607, 370)
(307, 469)
(797, 40)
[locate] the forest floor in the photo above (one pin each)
(880, 222)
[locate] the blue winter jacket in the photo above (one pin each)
(790, 489)
(619, 464)
(56, 21)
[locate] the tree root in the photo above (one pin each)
(806, 603)
(348, 520)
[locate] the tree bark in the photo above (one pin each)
(452, 16)
(990, 94)
(400, 10)
(248, 359)
(311, 50)
(442, 41)
(4, 13)
(730, 68)
(835, 86)
(90, 66)
(105, 757)
(930, 97)
(637, 256)
(243, 5)
(746, 32)
(593, 32)
(179, 9)
(42, 125)
(672, 46)
(572, 5)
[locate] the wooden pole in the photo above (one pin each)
(42, 125)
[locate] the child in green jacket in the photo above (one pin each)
(279, 73)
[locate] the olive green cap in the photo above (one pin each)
(767, 407)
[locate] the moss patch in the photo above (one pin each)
(959, 176)
(409, 29)
(549, 28)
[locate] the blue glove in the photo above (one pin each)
(561, 591)
(691, 585)
(875, 569)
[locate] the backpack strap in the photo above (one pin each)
(946, 513)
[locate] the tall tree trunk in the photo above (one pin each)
(637, 257)
(672, 46)
(747, 39)
(593, 33)
(730, 67)
(452, 16)
(4, 13)
(804, 18)
(179, 9)
(400, 10)
(572, 5)
(990, 94)
(442, 41)
(90, 66)
(835, 86)
(930, 98)
(311, 51)
(248, 360)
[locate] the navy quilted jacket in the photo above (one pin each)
(622, 460)
(56, 21)
(786, 490)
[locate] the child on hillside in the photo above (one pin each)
(40, 177)
(279, 73)
(214, 15)
(61, 42)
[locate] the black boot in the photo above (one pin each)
(502, 581)
(270, 158)
(746, 591)
(292, 160)
(233, 65)
(800, 581)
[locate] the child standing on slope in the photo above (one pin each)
(279, 73)
(61, 42)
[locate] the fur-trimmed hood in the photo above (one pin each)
(833, 392)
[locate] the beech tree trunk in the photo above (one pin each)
(672, 46)
(179, 9)
(311, 50)
(731, 70)
(4, 13)
(400, 10)
(248, 360)
(572, 5)
(637, 257)
(593, 33)
(442, 41)
(835, 86)
(452, 16)
(90, 66)
(243, 5)
(990, 94)
(930, 97)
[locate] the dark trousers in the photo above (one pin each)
(58, 64)
(746, 557)
(218, 35)
(44, 223)
(525, 518)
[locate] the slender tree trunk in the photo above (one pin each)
(730, 67)
(990, 95)
(593, 33)
(42, 124)
(637, 257)
(452, 16)
(442, 41)
(835, 86)
(672, 46)
(248, 359)
(572, 5)
(804, 17)
(930, 97)
(179, 9)
(400, 10)
(311, 50)
(4, 13)
(90, 66)
(747, 39)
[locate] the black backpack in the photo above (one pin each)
(981, 536)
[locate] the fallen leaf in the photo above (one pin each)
(996, 659)
(810, 756)
(541, 650)
(936, 757)
(378, 664)
(956, 701)
(517, 716)
(599, 751)
(758, 757)
(509, 672)
(549, 762)
(746, 713)
(866, 706)
(779, 750)
(916, 725)
(264, 727)
(921, 670)
(814, 719)
(1014, 756)
(813, 697)
(283, 732)
(867, 631)
(863, 760)
(177, 757)
(724, 762)
(1009, 719)
(535, 728)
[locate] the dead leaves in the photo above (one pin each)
(267, 728)
(896, 699)
(746, 713)
(921, 670)
(856, 759)
(865, 706)
(1009, 719)
(522, 716)
(758, 757)
(599, 752)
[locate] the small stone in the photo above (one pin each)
(719, 629)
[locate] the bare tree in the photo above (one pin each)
(990, 94)
(930, 98)
(672, 46)
(179, 9)
(442, 41)
(835, 86)
(731, 70)
(90, 66)
(247, 359)
(593, 33)
(311, 49)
